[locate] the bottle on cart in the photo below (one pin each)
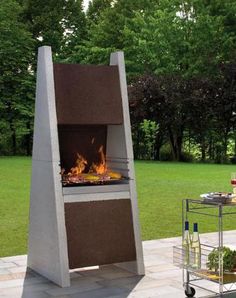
(186, 244)
(195, 250)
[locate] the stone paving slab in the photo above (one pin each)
(162, 279)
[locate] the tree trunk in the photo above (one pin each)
(157, 152)
(13, 137)
(176, 144)
(138, 143)
(203, 150)
(234, 144)
(179, 140)
(225, 144)
(211, 149)
(158, 144)
(28, 138)
(172, 143)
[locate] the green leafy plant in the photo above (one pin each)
(229, 259)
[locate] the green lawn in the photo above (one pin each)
(161, 187)
(14, 204)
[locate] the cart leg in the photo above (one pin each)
(188, 290)
(186, 279)
(221, 269)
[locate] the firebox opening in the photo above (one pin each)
(83, 156)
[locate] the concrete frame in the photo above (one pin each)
(47, 233)
(48, 254)
(123, 133)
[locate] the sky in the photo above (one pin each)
(86, 4)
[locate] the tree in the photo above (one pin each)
(148, 102)
(177, 38)
(200, 113)
(200, 109)
(95, 9)
(58, 23)
(176, 91)
(225, 106)
(108, 32)
(106, 28)
(16, 102)
(162, 99)
(161, 37)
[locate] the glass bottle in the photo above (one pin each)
(195, 248)
(186, 244)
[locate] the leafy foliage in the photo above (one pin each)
(147, 138)
(199, 109)
(95, 8)
(58, 23)
(16, 80)
(229, 259)
(180, 61)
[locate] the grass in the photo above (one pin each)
(14, 204)
(161, 187)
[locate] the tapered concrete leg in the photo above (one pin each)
(123, 134)
(47, 235)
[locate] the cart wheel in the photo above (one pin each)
(190, 292)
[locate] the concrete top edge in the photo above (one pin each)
(118, 52)
(44, 47)
(49, 47)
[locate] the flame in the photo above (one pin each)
(81, 163)
(100, 168)
(98, 172)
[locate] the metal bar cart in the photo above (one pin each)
(193, 277)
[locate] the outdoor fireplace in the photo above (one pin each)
(83, 209)
(83, 157)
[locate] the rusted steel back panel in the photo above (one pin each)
(87, 94)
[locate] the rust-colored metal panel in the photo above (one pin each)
(83, 139)
(87, 94)
(99, 232)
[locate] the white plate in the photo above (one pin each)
(215, 195)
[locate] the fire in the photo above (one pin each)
(81, 163)
(100, 168)
(98, 172)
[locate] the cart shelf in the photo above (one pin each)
(203, 272)
(226, 281)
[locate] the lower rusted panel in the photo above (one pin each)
(99, 233)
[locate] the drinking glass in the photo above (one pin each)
(233, 181)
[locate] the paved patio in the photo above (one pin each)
(162, 279)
